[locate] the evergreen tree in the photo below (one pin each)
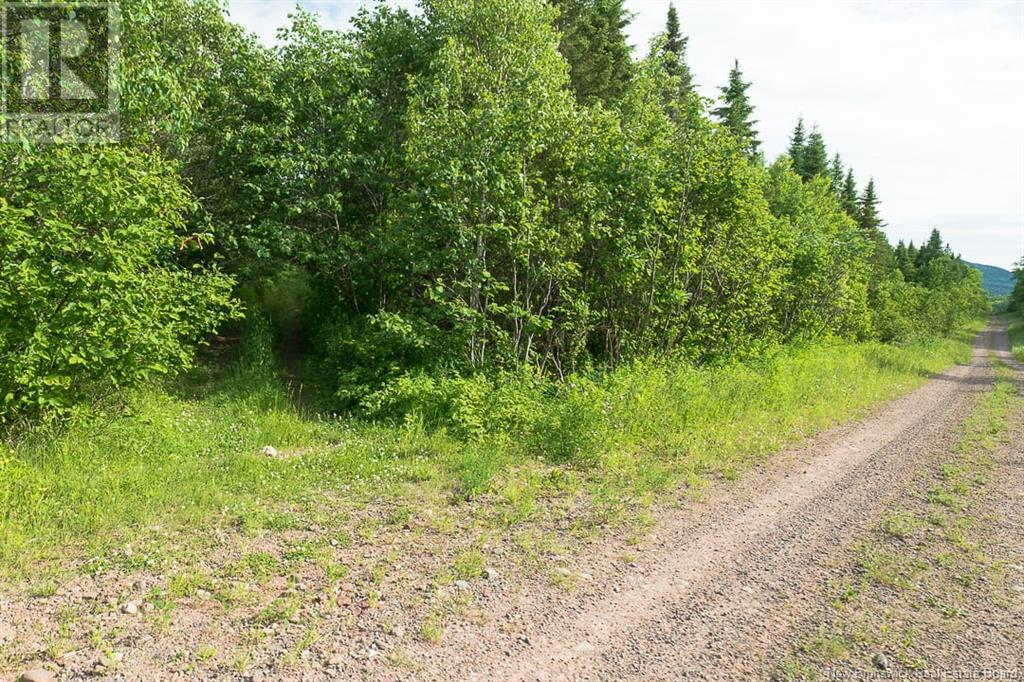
(836, 175)
(905, 261)
(900, 252)
(848, 198)
(815, 158)
(798, 145)
(912, 252)
(931, 250)
(736, 110)
(675, 52)
(881, 258)
(594, 44)
(869, 219)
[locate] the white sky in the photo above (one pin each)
(926, 97)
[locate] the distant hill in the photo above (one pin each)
(997, 281)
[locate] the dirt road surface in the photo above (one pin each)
(715, 591)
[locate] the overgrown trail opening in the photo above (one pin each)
(716, 590)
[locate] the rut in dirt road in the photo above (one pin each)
(726, 578)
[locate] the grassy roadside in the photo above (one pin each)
(192, 459)
(928, 571)
(1016, 323)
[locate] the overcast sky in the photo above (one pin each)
(926, 97)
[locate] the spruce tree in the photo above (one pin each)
(815, 159)
(881, 258)
(912, 252)
(736, 110)
(848, 199)
(900, 252)
(675, 52)
(836, 175)
(798, 145)
(931, 250)
(594, 44)
(869, 219)
(905, 260)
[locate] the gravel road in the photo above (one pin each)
(719, 585)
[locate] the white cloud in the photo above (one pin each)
(926, 97)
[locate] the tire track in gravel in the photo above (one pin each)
(728, 578)
(986, 634)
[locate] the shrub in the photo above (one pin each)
(519, 410)
(92, 298)
(352, 357)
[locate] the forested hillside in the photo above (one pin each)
(997, 281)
(484, 188)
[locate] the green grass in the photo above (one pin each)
(1017, 335)
(828, 645)
(900, 525)
(982, 431)
(431, 629)
(469, 565)
(191, 457)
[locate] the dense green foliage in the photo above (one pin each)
(1015, 307)
(105, 270)
(91, 297)
(484, 191)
